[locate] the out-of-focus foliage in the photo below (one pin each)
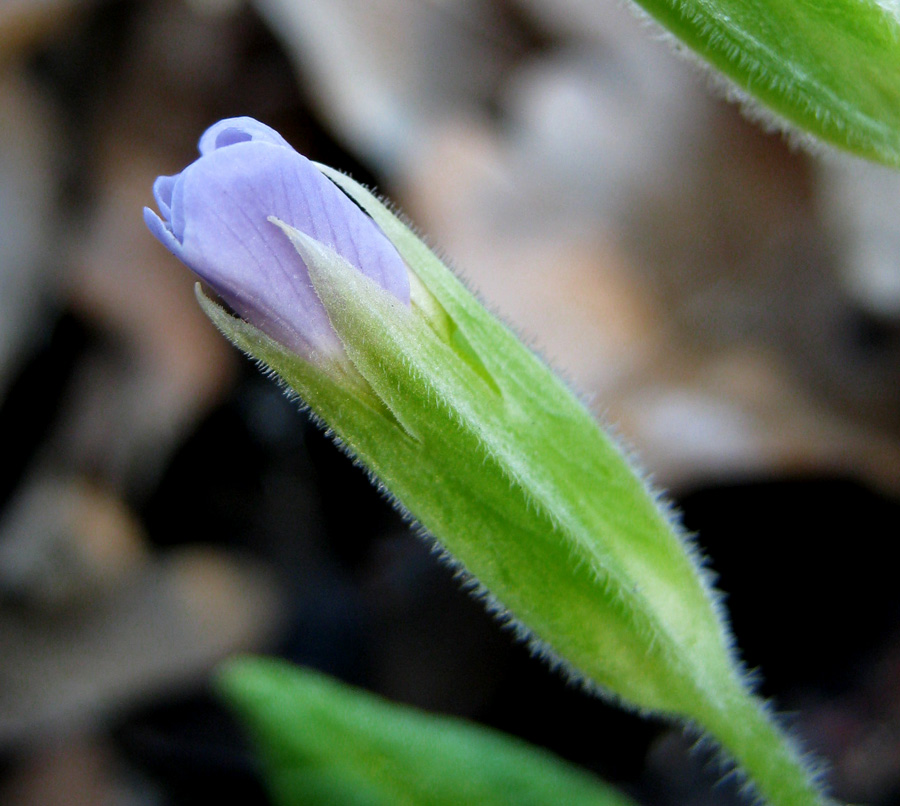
(831, 69)
(325, 742)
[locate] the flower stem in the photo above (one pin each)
(767, 757)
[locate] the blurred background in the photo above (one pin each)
(731, 306)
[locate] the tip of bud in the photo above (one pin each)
(215, 214)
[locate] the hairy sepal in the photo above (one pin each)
(610, 545)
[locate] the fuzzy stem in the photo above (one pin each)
(766, 756)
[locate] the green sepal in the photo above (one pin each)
(324, 742)
(501, 463)
(499, 477)
(599, 523)
(830, 68)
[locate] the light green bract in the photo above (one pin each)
(498, 460)
(829, 67)
(323, 742)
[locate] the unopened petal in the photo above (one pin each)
(163, 234)
(231, 131)
(176, 216)
(225, 200)
(162, 192)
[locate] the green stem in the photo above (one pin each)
(768, 758)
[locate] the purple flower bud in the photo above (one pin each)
(215, 219)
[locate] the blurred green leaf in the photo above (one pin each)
(829, 67)
(323, 742)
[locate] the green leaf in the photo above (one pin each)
(323, 742)
(829, 67)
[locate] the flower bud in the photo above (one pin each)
(215, 218)
(473, 435)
